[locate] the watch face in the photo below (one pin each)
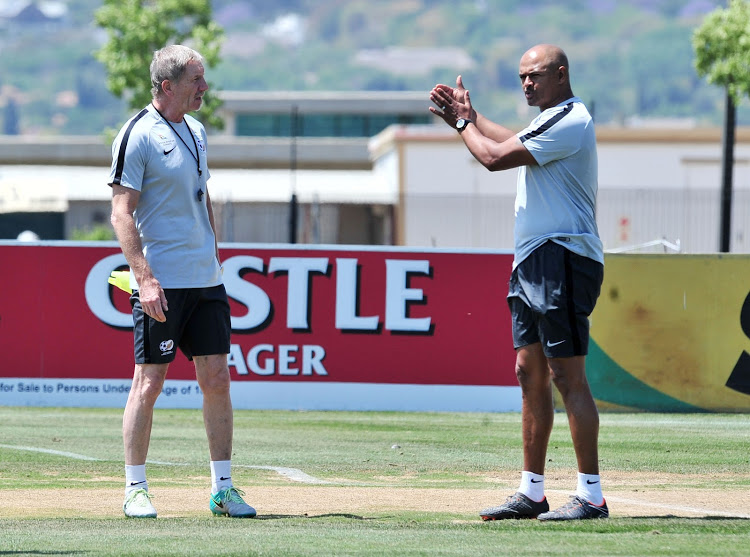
(460, 124)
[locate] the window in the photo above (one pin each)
(322, 125)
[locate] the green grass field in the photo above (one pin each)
(370, 483)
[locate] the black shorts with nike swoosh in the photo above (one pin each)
(551, 294)
(198, 323)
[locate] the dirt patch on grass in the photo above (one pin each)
(627, 494)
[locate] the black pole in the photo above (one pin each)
(727, 165)
(293, 171)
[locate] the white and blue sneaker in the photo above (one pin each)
(229, 502)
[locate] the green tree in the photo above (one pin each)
(722, 54)
(136, 28)
(722, 48)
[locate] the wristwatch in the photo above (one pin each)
(461, 124)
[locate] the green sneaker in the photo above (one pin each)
(138, 505)
(229, 502)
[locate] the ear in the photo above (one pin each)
(166, 86)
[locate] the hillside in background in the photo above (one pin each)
(631, 61)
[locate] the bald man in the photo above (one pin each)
(557, 269)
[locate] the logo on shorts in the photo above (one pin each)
(551, 344)
(166, 347)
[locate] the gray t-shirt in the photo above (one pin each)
(557, 199)
(172, 215)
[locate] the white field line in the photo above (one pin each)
(50, 451)
(292, 473)
(667, 507)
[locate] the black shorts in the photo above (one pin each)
(551, 295)
(198, 323)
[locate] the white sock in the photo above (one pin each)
(532, 486)
(135, 478)
(590, 488)
(221, 476)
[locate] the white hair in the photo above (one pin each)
(169, 63)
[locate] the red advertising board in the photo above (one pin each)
(299, 315)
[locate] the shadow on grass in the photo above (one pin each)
(674, 517)
(328, 515)
(76, 552)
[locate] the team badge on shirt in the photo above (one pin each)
(166, 144)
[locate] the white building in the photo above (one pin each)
(654, 185)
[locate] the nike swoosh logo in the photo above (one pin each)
(222, 479)
(167, 152)
(136, 483)
(590, 482)
(536, 481)
(551, 344)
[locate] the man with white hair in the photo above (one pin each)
(162, 215)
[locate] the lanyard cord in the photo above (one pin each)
(192, 136)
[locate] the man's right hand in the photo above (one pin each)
(153, 300)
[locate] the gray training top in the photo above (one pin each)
(557, 200)
(172, 215)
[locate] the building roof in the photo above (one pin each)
(225, 151)
(51, 188)
(325, 102)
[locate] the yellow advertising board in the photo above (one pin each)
(672, 333)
